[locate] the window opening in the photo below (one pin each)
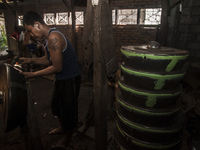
(79, 17)
(20, 20)
(49, 18)
(114, 16)
(62, 18)
(150, 16)
(127, 16)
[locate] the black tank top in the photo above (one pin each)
(70, 64)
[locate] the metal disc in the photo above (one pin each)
(13, 98)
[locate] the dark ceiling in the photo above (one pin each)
(76, 3)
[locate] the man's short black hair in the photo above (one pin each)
(31, 17)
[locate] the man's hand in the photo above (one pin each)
(24, 60)
(28, 75)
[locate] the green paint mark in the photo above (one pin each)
(160, 78)
(146, 145)
(154, 57)
(171, 65)
(129, 108)
(146, 129)
(151, 101)
(159, 84)
(151, 98)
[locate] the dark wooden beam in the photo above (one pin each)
(67, 4)
(2, 6)
(70, 4)
(74, 29)
(103, 52)
(13, 0)
(81, 3)
(100, 51)
(175, 29)
(88, 34)
(8, 6)
(164, 22)
(30, 131)
(99, 81)
(16, 11)
(174, 3)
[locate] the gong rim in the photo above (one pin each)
(13, 106)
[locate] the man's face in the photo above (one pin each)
(34, 30)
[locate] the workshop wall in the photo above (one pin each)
(184, 30)
(123, 34)
(133, 34)
(135, 3)
(190, 28)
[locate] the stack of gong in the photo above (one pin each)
(13, 98)
(149, 110)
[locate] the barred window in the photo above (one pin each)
(49, 18)
(114, 13)
(62, 18)
(20, 20)
(79, 18)
(150, 16)
(127, 16)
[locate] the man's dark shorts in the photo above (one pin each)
(65, 101)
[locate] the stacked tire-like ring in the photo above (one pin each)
(148, 110)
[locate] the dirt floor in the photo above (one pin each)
(42, 88)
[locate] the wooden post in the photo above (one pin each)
(70, 6)
(102, 47)
(100, 114)
(164, 22)
(175, 29)
(30, 131)
(74, 29)
(100, 50)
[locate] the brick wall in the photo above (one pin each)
(123, 35)
(132, 35)
(135, 3)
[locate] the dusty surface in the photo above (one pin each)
(41, 93)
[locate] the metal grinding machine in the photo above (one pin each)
(149, 113)
(13, 98)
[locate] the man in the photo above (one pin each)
(61, 59)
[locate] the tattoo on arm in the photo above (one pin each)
(53, 44)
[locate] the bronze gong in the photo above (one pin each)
(13, 98)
